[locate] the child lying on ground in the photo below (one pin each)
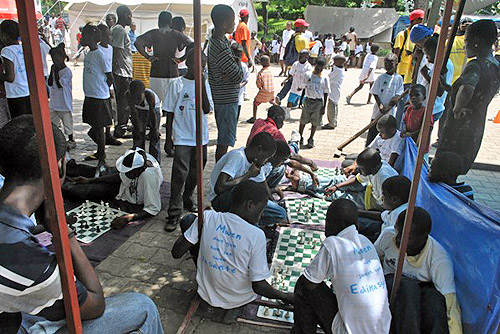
(446, 167)
(426, 301)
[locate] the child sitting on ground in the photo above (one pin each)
(446, 167)
(350, 261)
(181, 119)
(61, 92)
(367, 75)
(426, 301)
(386, 90)
(336, 78)
(230, 279)
(316, 93)
(145, 113)
(395, 193)
(265, 85)
(297, 73)
(373, 171)
(414, 114)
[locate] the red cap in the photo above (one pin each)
(417, 14)
(244, 12)
(301, 23)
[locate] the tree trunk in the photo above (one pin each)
(390, 3)
(421, 4)
(264, 16)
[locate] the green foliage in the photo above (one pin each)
(46, 4)
(383, 52)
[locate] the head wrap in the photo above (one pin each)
(419, 32)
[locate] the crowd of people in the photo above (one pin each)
(363, 225)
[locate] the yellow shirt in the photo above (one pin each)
(405, 62)
(301, 42)
(457, 56)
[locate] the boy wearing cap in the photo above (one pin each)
(242, 36)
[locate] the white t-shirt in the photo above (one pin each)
(316, 85)
(376, 180)
(94, 75)
(235, 164)
(329, 46)
(19, 87)
(44, 50)
(298, 71)
(358, 50)
(108, 56)
(390, 217)
(309, 35)
(370, 62)
(145, 107)
(386, 87)
(316, 47)
(144, 190)
(368, 49)
(336, 78)
(61, 99)
(275, 46)
(232, 256)
(287, 34)
(433, 264)
(343, 46)
(350, 260)
(180, 100)
(246, 76)
(386, 147)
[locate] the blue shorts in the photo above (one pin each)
(226, 117)
(294, 99)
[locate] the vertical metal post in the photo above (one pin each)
(52, 185)
(199, 110)
(423, 143)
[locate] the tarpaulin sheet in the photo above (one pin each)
(470, 232)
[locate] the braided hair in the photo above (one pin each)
(58, 51)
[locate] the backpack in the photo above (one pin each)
(291, 54)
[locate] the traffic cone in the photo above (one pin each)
(497, 118)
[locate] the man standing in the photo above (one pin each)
(52, 25)
(61, 25)
(132, 36)
(122, 67)
(110, 20)
(353, 40)
(242, 36)
(287, 34)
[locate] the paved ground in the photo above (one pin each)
(144, 262)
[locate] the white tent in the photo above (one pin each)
(145, 12)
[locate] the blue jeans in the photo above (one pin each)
(226, 117)
(129, 312)
(274, 178)
(286, 88)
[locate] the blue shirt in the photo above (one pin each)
(440, 100)
(132, 37)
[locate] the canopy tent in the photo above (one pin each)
(473, 5)
(145, 12)
(368, 22)
(8, 9)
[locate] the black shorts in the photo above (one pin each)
(19, 106)
(96, 112)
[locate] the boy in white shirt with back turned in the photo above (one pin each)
(230, 254)
(426, 301)
(336, 78)
(180, 105)
(367, 75)
(359, 304)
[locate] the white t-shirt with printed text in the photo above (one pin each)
(94, 75)
(387, 147)
(298, 72)
(351, 262)
(232, 256)
(386, 87)
(377, 179)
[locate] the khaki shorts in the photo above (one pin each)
(311, 112)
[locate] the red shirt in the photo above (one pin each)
(243, 34)
(60, 24)
(265, 125)
(413, 118)
(78, 37)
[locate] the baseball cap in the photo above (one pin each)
(137, 160)
(417, 14)
(301, 23)
(244, 12)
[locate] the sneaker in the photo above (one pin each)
(310, 143)
(277, 100)
(71, 144)
(110, 140)
(171, 223)
(295, 136)
(251, 120)
(348, 99)
(328, 127)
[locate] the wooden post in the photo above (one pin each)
(423, 143)
(52, 185)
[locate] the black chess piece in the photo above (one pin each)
(98, 228)
(86, 226)
(312, 208)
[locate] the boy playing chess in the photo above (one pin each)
(359, 304)
(230, 254)
(426, 301)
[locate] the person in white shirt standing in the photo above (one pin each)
(61, 92)
(329, 49)
(359, 304)
(367, 75)
(297, 74)
(336, 78)
(287, 34)
(426, 301)
(230, 253)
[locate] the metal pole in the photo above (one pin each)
(199, 110)
(454, 29)
(52, 184)
(423, 143)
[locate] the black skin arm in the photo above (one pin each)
(263, 288)
(205, 102)
(302, 97)
(109, 79)
(153, 122)
(370, 214)
(298, 166)
(348, 182)
(224, 181)
(464, 95)
(392, 159)
(181, 246)
(245, 49)
(120, 222)
(304, 161)
(141, 45)
(325, 101)
(112, 178)
(8, 74)
(170, 123)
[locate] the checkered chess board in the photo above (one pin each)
(309, 211)
(329, 172)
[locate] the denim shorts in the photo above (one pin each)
(226, 117)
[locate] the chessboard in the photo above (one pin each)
(308, 211)
(93, 220)
(294, 251)
(329, 172)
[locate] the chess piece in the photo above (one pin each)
(266, 311)
(87, 204)
(287, 315)
(98, 228)
(312, 208)
(86, 226)
(301, 239)
(276, 312)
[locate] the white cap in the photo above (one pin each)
(137, 161)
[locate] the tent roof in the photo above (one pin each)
(144, 2)
(368, 22)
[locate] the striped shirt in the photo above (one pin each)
(464, 188)
(29, 275)
(224, 73)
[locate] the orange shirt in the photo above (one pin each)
(242, 33)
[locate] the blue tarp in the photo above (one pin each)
(470, 232)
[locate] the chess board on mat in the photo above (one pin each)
(309, 211)
(329, 172)
(92, 220)
(295, 249)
